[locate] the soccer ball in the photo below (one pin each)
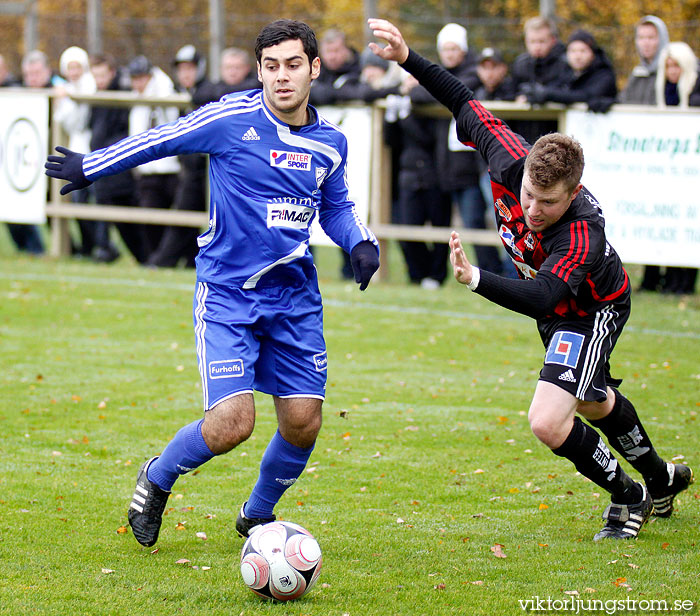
(280, 561)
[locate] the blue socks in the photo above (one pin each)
(183, 454)
(281, 465)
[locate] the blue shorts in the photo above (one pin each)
(269, 340)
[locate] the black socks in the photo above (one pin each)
(627, 436)
(592, 458)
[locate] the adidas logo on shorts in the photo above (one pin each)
(568, 376)
(251, 135)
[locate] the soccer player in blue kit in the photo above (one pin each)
(275, 165)
(574, 285)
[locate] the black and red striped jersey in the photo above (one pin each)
(574, 249)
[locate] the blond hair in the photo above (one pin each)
(684, 56)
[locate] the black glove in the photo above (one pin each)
(365, 261)
(601, 105)
(536, 93)
(67, 167)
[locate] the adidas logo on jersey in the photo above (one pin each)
(568, 376)
(251, 135)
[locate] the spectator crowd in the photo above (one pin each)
(433, 175)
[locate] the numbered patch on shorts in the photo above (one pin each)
(226, 369)
(565, 349)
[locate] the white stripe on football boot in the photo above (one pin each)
(624, 521)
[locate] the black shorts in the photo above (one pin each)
(578, 351)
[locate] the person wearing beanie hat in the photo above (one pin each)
(379, 77)
(452, 44)
(74, 119)
(589, 78)
(459, 168)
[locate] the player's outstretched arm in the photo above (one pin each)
(444, 86)
(396, 48)
(461, 267)
(67, 167)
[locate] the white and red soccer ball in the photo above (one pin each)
(280, 561)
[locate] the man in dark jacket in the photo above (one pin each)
(109, 125)
(237, 73)
(420, 199)
(495, 82)
(543, 64)
(340, 71)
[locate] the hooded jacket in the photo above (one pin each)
(640, 88)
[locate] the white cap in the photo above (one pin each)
(453, 33)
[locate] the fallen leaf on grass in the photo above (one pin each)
(202, 536)
(179, 526)
(665, 545)
(182, 561)
(122, 530)
(107, 571)
(633, 565)
(497, 550)
(543, 506)
(571, 593)
(440, 586)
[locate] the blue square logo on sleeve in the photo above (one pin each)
(565, 349)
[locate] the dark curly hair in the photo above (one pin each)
(284, 30)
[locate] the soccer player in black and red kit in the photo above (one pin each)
(572, 282)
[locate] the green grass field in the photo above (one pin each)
(424, 465)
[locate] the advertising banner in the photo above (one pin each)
(644, 169)
(24, 121)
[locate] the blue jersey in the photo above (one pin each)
(267, 184)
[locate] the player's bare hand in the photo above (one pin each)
(396, 48)
(461, 267)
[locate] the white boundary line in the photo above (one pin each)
(175, 286)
